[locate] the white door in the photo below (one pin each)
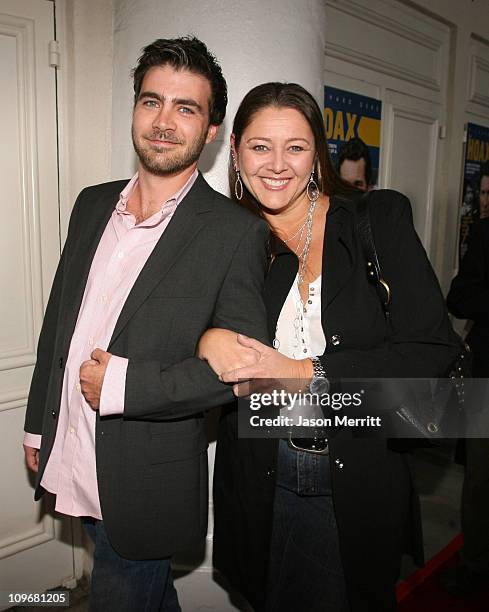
(36, 549)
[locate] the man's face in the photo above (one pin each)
(353, 172)
(170, 123)
(484, 197)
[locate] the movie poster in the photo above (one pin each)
(348, 115)
(475, 192)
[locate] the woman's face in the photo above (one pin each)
(276, 157)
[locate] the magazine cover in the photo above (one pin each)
(349, 115)
(475, 191)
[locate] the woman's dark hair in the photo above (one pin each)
(287, 95)
(186, 53)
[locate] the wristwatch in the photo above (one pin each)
(319, 383)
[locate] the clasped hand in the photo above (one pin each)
(243, 361)
(92, 373)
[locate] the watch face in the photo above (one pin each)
(319, 385)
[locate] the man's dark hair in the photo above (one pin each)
(355, 149)
(186, 53)
(484, 171)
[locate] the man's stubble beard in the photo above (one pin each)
(167, 163)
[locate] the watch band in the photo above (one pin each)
(318, 369)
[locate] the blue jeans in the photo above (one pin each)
(306, 571)
(123, 585)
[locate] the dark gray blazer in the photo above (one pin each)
(206, 270)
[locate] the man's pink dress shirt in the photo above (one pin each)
(71, 472)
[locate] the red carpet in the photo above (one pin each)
(421, 591)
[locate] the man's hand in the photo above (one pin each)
(92, 374)
(31, 458)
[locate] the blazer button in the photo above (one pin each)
(339, 464)
(53, 414)
(335, 339)
(270, 472)
(61, 362)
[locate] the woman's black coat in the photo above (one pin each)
(376, 504)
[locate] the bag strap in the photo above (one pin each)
(374, 271)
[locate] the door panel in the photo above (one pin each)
(35, 548)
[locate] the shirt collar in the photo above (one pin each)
(175, 199)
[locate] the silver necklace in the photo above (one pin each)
(304, 254)
(299, 231)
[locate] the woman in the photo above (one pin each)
(309, 525)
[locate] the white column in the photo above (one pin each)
(254, 40)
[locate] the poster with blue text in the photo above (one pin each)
(348, 115)
(475, 190)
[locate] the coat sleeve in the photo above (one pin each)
(468, 297)
(36, 403)
(422, 342)
(159, 392)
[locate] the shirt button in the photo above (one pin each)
(72, 430)
(120, 254)
(309, 301)
(104, 298)
(304, 351)
(90, 340)
(78, 387)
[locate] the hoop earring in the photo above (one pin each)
(238, 186)
(312, 189)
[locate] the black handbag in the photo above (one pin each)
(438, 414)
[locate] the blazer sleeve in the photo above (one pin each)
(36, 403)
(422, 342)
(468, 297)
(160, 392)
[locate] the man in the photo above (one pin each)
(468, 298)
(117, 394)
(354, 164)
(484, 191)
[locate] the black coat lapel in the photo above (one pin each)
(339, 251)
(278, 281)
(186, 223)
(339, 256)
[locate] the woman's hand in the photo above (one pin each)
(220, 348)
(271, 365)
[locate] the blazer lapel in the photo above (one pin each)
(186, 223)
(339, 251)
